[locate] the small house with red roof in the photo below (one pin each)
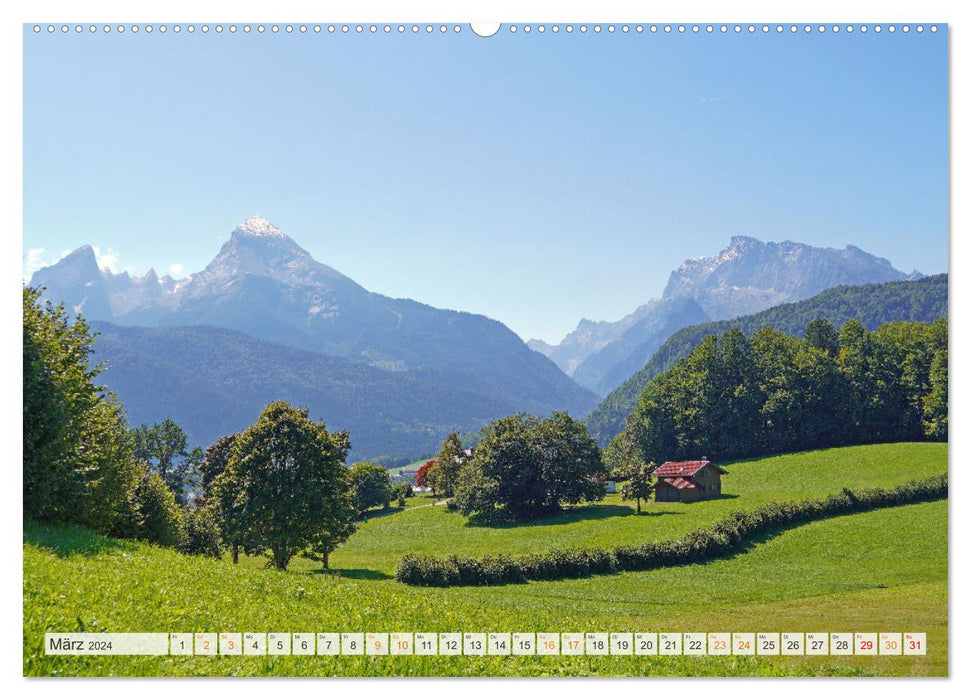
(681, 482)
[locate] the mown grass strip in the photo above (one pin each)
(724, 538)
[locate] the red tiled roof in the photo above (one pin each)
(685, 468)
(680, 483)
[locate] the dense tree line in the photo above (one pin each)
(81, 462)
(738, 396)
(924, 300)
(78, 461)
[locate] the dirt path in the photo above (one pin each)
(429, 505)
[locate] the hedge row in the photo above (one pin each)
(725, 537)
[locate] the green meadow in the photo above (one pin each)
(884, 570)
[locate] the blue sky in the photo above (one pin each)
(536, 179)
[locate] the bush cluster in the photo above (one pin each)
(200, 533)
(725, 537)
(459, 571)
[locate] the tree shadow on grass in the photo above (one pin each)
(355, 574)
(566, 516)
(71, 540)
(719, 497)
(383, 513)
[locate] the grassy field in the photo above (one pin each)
(381, 543)
(411, 465)
(880, 571)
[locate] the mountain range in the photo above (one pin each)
(746, 277)
(264, 320)
(215, 381)
(267, 288)
(923, 300)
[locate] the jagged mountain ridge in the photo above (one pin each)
(750, 275)
(263, 284)
(746, 277)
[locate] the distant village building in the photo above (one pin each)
(405, 475)
(687, 481)
(610, 486)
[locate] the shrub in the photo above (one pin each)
(153, 515)
(200, 533)
(401, 491)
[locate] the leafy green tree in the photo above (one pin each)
(328, 540)
(228, 495)
(525, 467)
(639, 484)
(505, 472)
(935, 403)
(775, 358)
(370, 486)
(822, 335)
(448, 463)
(571, 464)
(77, 456)
(200, 532)
(165, 448)
(214, 462)
(286, 487)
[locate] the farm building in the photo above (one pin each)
(687, 481)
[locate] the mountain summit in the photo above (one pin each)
(258, 227)
(746, 277)
(750, 275)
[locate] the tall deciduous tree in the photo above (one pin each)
(639, 484)
(822, 335)
(154, 514)
(286, 484)
(164, 447)
(214, 462)
(223, 503)
(328, 540)
(935, 403)
(449, 462)
(421, 477)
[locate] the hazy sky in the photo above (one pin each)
(534, 178)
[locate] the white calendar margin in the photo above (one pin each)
(11, 68)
